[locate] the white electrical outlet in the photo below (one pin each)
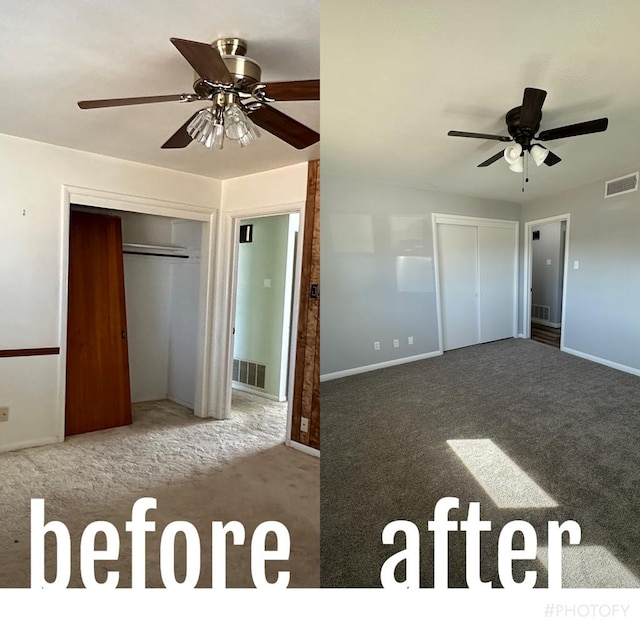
(376, 346)
(4, 414)
(410, 340)
(396, 343)
(548, 261)
(304, 425)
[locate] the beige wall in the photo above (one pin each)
(32, 269)
(267, 189)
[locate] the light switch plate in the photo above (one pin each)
(4, 414)
(304, 425)
(576, 264)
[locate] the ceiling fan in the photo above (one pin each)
(239, 101)
(523, 123)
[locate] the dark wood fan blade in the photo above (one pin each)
(552, 159)
(531, 112)
(181, 138)
(294, 90)
(205, 60)
(492, 159)
(481, 136)
(281, 125)
(119, 102)
(579, 129)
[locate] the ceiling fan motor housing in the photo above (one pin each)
(244, 71)
(522, 137)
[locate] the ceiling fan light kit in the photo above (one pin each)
(512, 153)
(517, 166)
(523, 123)
(240, 102)
(539, 154)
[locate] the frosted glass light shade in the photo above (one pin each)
(517, 165)
(512, 153)
(539, 154)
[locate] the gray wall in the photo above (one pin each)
(377, 268)
(602, 313)
(547, 269)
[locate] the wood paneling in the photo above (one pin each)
(306, 398)
(21, 353)
(98, 393)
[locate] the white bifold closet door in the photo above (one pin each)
(458, 265)
(476, 265)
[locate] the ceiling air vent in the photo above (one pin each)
(618, 186)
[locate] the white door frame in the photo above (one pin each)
(446, 218)
(528, 273)
(225, 305)
(138, 204)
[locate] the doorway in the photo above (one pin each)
(546, 246)
(266, 260)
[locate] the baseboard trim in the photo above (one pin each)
(378, 365)
(182, 403)
(520, 335)
(545, 323)
(256, 392)
(26, 444)
(303, 447)
(606, 363)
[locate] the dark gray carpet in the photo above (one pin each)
(572, 425)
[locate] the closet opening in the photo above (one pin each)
(134, 314)
(476, 269)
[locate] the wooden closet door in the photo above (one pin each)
(98, 394)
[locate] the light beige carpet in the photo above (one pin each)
(198, 470)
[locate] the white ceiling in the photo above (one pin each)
(56, 53)
(396, 76)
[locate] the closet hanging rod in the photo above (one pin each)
(159, 255)
(153, 247)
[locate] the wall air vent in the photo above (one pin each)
(249, 373)
(540, 312)
(618, 186)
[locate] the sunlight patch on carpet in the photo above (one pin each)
(591, 567)
(506, 483)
